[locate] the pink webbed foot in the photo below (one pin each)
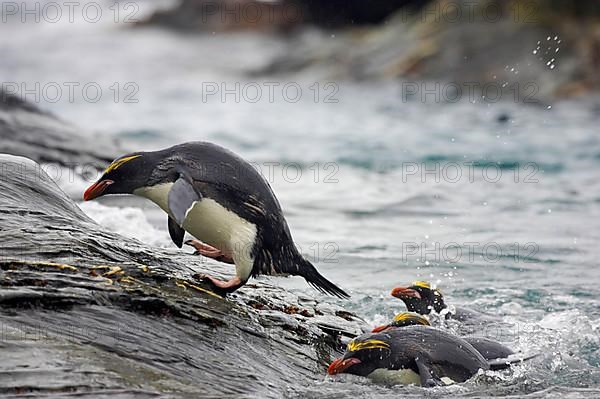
(210, 252)
(220, 286)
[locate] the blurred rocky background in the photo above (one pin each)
(537, 49)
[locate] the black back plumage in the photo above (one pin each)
(221, 175)
(445, 354)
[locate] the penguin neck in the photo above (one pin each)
(158, 193)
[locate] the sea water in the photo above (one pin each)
(497, 204)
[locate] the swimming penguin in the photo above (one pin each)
(416, 354)
(220, 199)
(421, 298)
(489, 349)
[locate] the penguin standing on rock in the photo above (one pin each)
(220, 199)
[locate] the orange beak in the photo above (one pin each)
(380, 328)
(96, 189)
(403, 292)
(340, 365)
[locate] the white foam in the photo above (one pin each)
(127, 221)
(511, 308)
(69, 180)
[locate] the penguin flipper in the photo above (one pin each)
(504, 363)
(176, 232)
(428, 380)
(182, 197)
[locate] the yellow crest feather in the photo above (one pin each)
(354, 346)
(408, 316)
(119, 162)
(422, 284)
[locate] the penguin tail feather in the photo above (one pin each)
(314, 278)
(504, 363)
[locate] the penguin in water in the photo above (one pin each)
(421, 298)
(414, 354)
(221, 200)
(501, 355)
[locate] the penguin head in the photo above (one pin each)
(420, 297)
(402, 320)
(122, 176)
(363, 355)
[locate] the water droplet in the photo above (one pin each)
(535, 51)
(549, 107)
(548, 38)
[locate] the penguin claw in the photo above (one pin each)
(205, 278)
(208, 280)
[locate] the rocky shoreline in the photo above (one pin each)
(29, 131)
(531, 52)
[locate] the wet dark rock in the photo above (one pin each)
(229, 15)
(26, 130)
(343, 13)
(85, 312)
(281, 15)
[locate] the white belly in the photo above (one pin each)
(395, 377)
(400, 377)
(214, 225)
